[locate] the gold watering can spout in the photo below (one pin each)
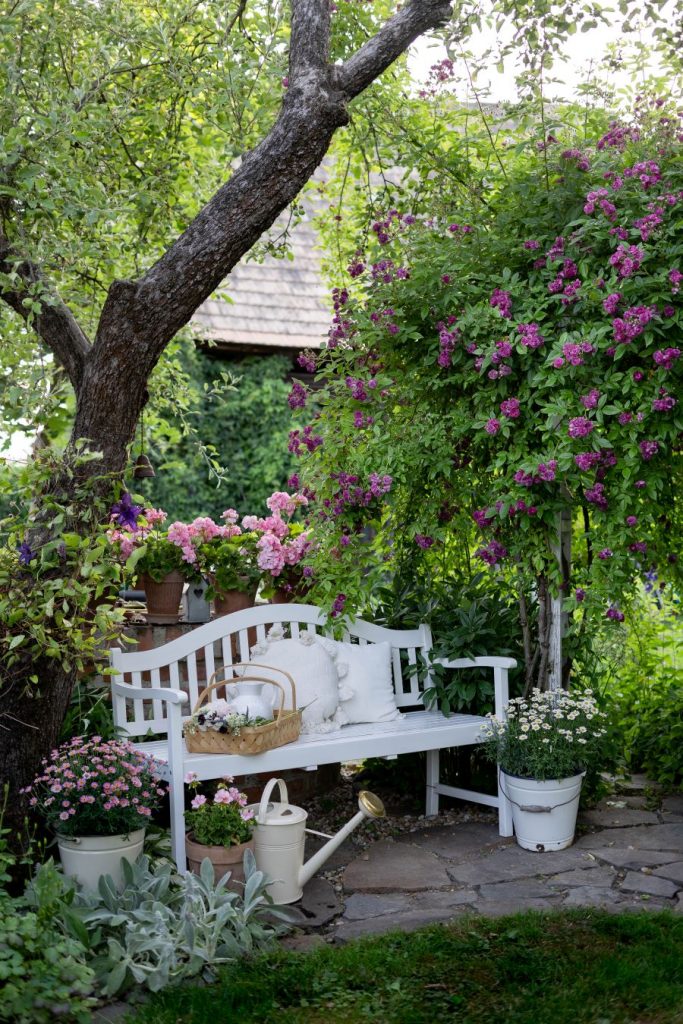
(370, 806)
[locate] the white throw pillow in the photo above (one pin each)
(366, 671)
(315, 676)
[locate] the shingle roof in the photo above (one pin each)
(279, 303)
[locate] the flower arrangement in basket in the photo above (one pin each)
(90, 787)
(549, 735)
(218, 727)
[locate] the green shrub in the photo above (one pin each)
(43, 974)
(645, 686)
(650, 720)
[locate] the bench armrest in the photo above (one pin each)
(167, 693)
(500, 668)
(483, 662)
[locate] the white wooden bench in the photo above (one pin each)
(149, 689)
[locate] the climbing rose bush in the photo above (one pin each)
(514, 355)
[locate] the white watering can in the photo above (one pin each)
(280, 836)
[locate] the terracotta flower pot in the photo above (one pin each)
(163, 599)
(232, 601)
(223, 858)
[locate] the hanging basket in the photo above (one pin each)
(251, 739)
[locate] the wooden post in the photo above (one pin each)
(559, 619)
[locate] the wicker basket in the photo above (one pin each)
(252, 739)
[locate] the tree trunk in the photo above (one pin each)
(30, 720)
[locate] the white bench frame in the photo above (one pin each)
(154, 706)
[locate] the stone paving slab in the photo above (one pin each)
(599, 875)
(650, 885)
(513, 862)
(609, 814)
(457, 842)
(520, 889)
(673, 803)
(635, 859)
(590, 896)
(651, 837)
(503, 908)
(388, 866)
(673, 871)
(320, 903)
(409, 921)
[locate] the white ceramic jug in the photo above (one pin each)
(248, 699)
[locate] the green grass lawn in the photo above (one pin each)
(580, 967)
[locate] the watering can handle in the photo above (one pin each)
(270, 786)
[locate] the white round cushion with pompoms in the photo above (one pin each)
(315, 675)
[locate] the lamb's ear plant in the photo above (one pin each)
(164, 927)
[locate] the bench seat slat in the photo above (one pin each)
(415, 731)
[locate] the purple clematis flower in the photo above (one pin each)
(125, 512)
(25, 553)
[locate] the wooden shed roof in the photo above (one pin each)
(279, 304)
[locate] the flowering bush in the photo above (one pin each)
(89, 787)
(550, 735)
(221, 821)
(503, 362)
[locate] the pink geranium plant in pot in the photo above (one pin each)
(219, 827)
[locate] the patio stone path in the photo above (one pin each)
(627, 858)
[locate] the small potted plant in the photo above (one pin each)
(97, 796)
(543, 747)
(164, 560)
(282, 547)
(228, 562)
(219, 827)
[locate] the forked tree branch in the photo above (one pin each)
(390, 42)
(55, 324)
(270, 177)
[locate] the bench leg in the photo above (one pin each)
(177, 801)
(504, 812)
(432, 803)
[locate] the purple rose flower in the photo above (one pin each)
(510, 408)
(648, 449)
(492, 426)
(580, 427)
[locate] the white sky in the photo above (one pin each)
(580, 49)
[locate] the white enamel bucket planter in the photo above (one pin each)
(86, 858)
(543, 813)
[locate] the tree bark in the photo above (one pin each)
(139, 318)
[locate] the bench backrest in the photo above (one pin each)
(188, 662)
